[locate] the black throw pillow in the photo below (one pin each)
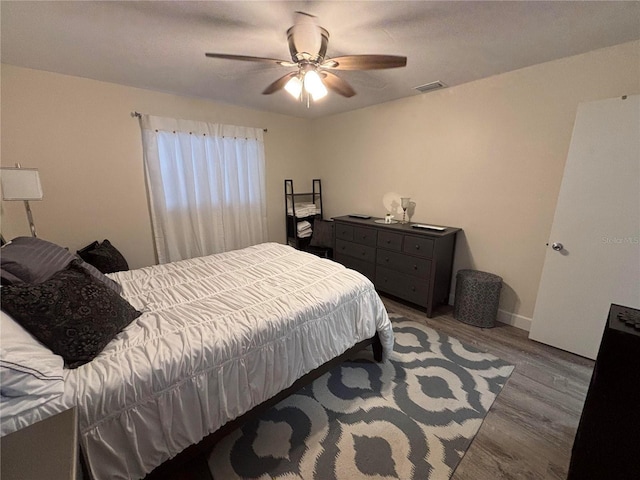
(71, 313)
(82, 253)
(33, 260)
(8, 278)
(104, 256)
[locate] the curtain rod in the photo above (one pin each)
(138, 115)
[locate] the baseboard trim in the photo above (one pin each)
(515, 320)
(508, 318)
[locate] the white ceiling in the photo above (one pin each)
(161, 45)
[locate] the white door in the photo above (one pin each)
(597, 222)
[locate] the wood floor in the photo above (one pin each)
(529, 431)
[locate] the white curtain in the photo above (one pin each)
(206, 186)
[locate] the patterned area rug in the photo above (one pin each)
(410, 418)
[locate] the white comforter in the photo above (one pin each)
(219, 335)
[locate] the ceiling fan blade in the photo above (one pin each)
(279, 83)
(337, 84)
(365, 62)
(245, 58)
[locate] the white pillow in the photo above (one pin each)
(26, 366)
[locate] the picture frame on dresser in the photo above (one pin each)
(412, 264)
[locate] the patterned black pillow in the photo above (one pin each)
(71, 313)
(104, 256)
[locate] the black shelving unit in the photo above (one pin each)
(295, 214)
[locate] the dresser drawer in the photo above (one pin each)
(418, 267)
(391, 241)
(407, 287)
(422, 247)
(344, 232)
(365, 236)
(362, 235)
(362, 252)
(365, 268)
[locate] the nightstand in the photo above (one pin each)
(47, 449)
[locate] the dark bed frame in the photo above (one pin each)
(172, 468)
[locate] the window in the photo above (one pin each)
(206, 186)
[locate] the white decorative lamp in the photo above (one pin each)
(21, 184)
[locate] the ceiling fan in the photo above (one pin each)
(312, 76)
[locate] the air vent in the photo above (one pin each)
(427, 87)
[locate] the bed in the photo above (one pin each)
(218, 335)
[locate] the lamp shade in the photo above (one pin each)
(313, 85)
(294, 87)
(20, 184)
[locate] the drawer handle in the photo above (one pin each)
(417, 247)
(386, 259)
(388, 241)
(415, 267)
(413, 289)
(364, 253)
(343, 247)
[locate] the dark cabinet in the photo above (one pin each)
(355, 248)
(607, 443)
(411, 264)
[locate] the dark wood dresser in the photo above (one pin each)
(408, 263)
(607, 443)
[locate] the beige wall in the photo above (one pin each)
(486, 156)
(80, 134)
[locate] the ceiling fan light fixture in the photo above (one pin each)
(294, 87)
(313, 85)
(308, 46)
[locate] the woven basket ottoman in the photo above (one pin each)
(477, 298)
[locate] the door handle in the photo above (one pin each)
(557, 246)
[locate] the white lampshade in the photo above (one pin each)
(314, 86)
(20, 184)
(294, 87)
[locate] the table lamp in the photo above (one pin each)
(21, 184)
